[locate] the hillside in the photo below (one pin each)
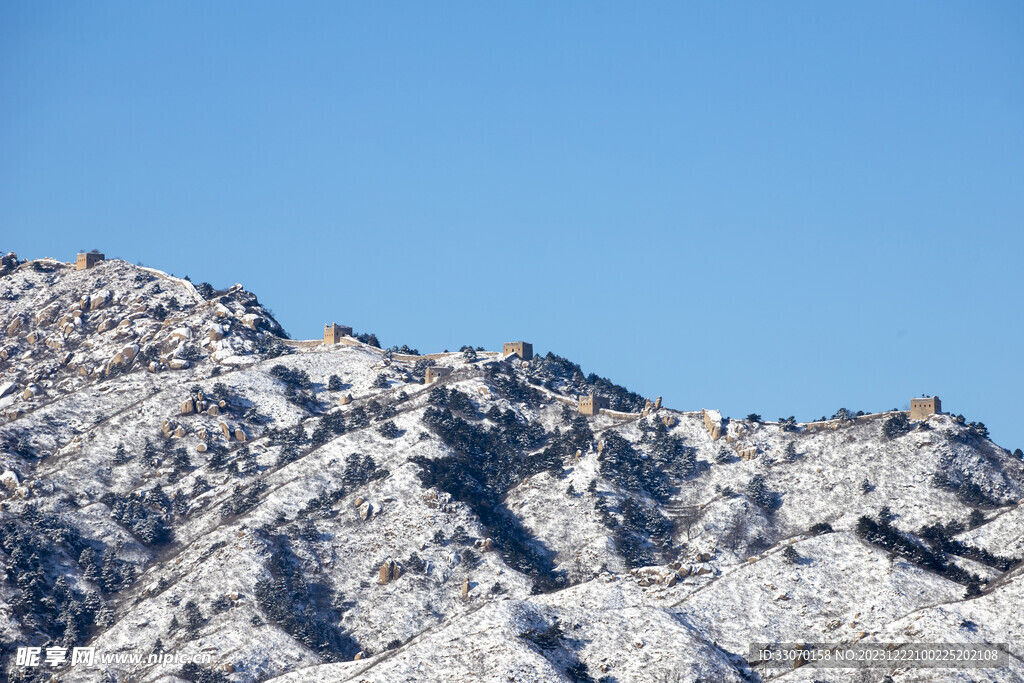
(178, 477)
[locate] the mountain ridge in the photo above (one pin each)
(378, 517)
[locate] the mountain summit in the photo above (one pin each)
(180, 479)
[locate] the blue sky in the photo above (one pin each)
(782, 208)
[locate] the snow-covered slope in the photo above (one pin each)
(178, 478)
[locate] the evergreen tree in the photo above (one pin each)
(87, 562)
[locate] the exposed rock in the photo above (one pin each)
(213, 410)
(252, 321)
(10, 480)
(345, 400)
(240, 435)
(106, 325)
(201, 447)
(179, 432)
(187, 407)
(31, 391)
(389, 571)
(129, 352)
(178, 364)
(13, 328)
(100, 299)
(465, 588)
(748, 453)
(226, 430)
(713, 423)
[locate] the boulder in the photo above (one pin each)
(48, 314)
(31, 391)
(251, 320)
(213, 410)
(187, 407)
(389, 571)
(345, 400)
(178, 364)
(100, 299)
(106, 325)
(201, 448)
(240, 435)
(13, 328)
(8, 388)
(465, 588)
(226, 430)
(216, 332)
(9, 479)
(179, 432)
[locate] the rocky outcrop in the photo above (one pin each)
(747, 452)
(713, 423)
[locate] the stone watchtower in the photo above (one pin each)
(522, 349)
(88, 259)
(921, 408)
(435, 372)
(591, 404)
(334, 332)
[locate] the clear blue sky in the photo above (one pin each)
(782, 208)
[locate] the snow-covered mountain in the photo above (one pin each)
(180, 478)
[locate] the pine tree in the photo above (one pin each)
(87, 562)
(120, 455)
(334, 383)
(217, 460)
(110, 574)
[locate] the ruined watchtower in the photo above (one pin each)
(522, 349)
(435, 372)
(88, 259)
(591, 404)
(334, 332)
(921, 408)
